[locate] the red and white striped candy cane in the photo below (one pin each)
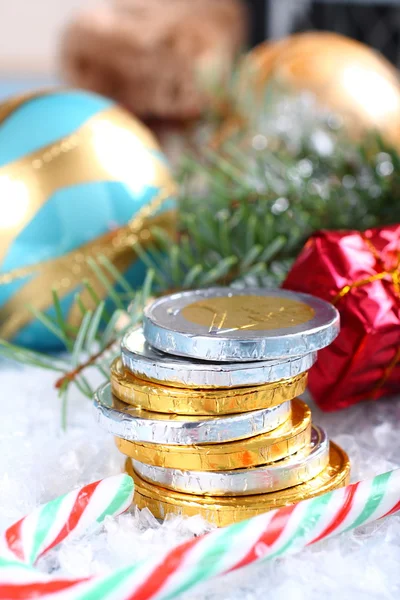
(51, 523)
(279, 532)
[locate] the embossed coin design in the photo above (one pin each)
(229, 325)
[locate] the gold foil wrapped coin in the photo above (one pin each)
(224, 511)
(288, 472)
(283, 441)
(146, 362)
(137, 425)
(157, 397)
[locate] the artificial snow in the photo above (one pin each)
(38, 461)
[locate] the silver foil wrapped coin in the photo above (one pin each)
(224, 324)
(134, 424)
(142, 359)
(298, 468)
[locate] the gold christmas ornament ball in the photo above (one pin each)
(347, 77)
(80, 178)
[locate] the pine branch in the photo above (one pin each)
(71, 376)
(245, 211)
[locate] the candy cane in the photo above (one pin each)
(273, 534)
(51, 523)
(279, 532)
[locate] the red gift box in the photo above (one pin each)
(359, 273)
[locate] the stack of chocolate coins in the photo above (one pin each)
(203, 402)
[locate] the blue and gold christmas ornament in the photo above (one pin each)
(79, 178)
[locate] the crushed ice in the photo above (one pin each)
(39, 462)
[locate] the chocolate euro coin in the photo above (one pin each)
(147, 362)
(283, 441)
(285, 473)
(224, 511)
(132, 423)
(158, 397)
(225, 324)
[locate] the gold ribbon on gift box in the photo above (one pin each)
(394, 275)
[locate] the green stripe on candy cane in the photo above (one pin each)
(211, 565)
(46, 518)
(378, 488)
(113, 495)
(193, 565)
(50, 524)
(194, 562)
(6, 562)
(315, 510)
(108, 585)
(121, 500)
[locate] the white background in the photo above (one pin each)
(30, 32)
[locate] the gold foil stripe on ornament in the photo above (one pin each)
(66, 273)
(394, 274)
(65, 163)
(262, 449)
(224, 511)
(156, 397)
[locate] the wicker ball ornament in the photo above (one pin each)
(80, 178)
(346, 76)
(158, 58)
